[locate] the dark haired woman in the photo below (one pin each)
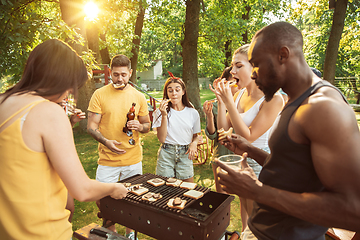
(39, 163)
(177, 124)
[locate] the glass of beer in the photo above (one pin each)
(232, 160)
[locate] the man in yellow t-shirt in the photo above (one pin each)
(120, 151)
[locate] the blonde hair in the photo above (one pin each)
(244, 49)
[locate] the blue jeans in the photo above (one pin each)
(173, 162)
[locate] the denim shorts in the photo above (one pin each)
(254, 165)
(173, 162)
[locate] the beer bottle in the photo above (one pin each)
(130, 116)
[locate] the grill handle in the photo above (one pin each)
(99, 232)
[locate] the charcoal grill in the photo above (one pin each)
(203, 219)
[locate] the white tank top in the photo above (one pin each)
(249, 116)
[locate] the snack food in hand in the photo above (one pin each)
(223, 134)
(156, 182)
(216, 81)
(194, 194)
(188, 185)
(233, 84)
(151, 197)
(177, 203)
(173, 182)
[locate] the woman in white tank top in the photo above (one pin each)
(247, 112)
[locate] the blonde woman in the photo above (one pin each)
(247, 112)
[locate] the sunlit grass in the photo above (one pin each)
(86, 212)
(205, 94)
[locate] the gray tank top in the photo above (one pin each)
(289, 167)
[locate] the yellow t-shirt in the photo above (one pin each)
(32, 195)
(113, 105)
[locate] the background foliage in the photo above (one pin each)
(315, 19)
(26, 23)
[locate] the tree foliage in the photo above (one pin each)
(225, 22)
(315, 20)
(23, 25)
(162, 35)
(220, 22)
(26, 23)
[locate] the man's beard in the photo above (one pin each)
(271, 87)
(270, 94)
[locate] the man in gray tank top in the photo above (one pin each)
(311, 179)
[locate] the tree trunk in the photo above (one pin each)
(334, 39)
(246, 18)
(228, 53)
(83, 100)
(136, 41)
(70, 13)
(105, 56)
(189, 53)
(92, 36)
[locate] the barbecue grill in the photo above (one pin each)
(203, 219)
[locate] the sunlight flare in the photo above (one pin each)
(91, 10)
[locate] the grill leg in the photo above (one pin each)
(107, 223)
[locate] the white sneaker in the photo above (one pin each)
(131, 235)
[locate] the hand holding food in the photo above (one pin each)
(77, 116)
(163, 106)
(119, 192)
(223, 134)
(207, 107)
(215, 83)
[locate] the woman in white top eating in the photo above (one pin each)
(247, 112)
(177, 124)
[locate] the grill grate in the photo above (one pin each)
(167, 192)
(204, 219)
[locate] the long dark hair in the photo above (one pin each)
(184, 99)
(226, 74)
(52, 68)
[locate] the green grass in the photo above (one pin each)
(86, 212)
(205, 94)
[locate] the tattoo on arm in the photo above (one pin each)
(96, 134)
(146, 127)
